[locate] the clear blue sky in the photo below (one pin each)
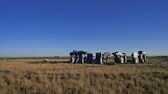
(56, 27)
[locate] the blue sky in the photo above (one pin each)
(56, 27)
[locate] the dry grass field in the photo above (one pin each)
(22, 77)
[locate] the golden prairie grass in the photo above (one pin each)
(21, 77)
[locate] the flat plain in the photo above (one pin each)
(27, 76)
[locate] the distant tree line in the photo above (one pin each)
(43, 57)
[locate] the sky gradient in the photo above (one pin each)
(56, 27)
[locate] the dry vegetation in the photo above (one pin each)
(21, 77)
